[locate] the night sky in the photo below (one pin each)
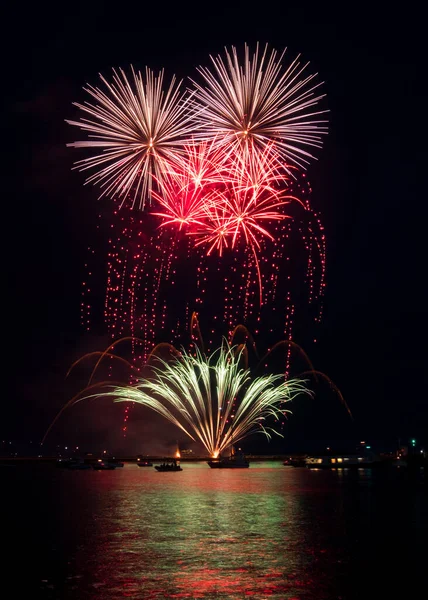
(368, 184)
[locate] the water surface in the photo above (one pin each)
(267, 532)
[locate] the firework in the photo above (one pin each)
(137, 129)
(224, 200)
(213, 399)
(249, 105)
(187, 194)
(202, 163)
(157, 276)
(223, 236)
(253, 194)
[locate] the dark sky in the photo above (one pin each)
(368, 183)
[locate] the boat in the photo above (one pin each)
(342, 461)
(141, 462)
(236, 460)
(171, 464)
(104, 465)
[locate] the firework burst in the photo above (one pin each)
(187, 194)
(247, 106)
(213, 399)
(253, 194)
(139, 130)
(223, 200)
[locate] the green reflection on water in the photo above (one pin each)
(201, 534)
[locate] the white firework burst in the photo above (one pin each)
(139, 129)
(259, 104)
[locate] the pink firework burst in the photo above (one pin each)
(186, 190)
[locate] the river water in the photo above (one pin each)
(267, 532)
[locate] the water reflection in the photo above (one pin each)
(265, 532)
(210, 534)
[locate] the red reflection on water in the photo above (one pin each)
(240, 582)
